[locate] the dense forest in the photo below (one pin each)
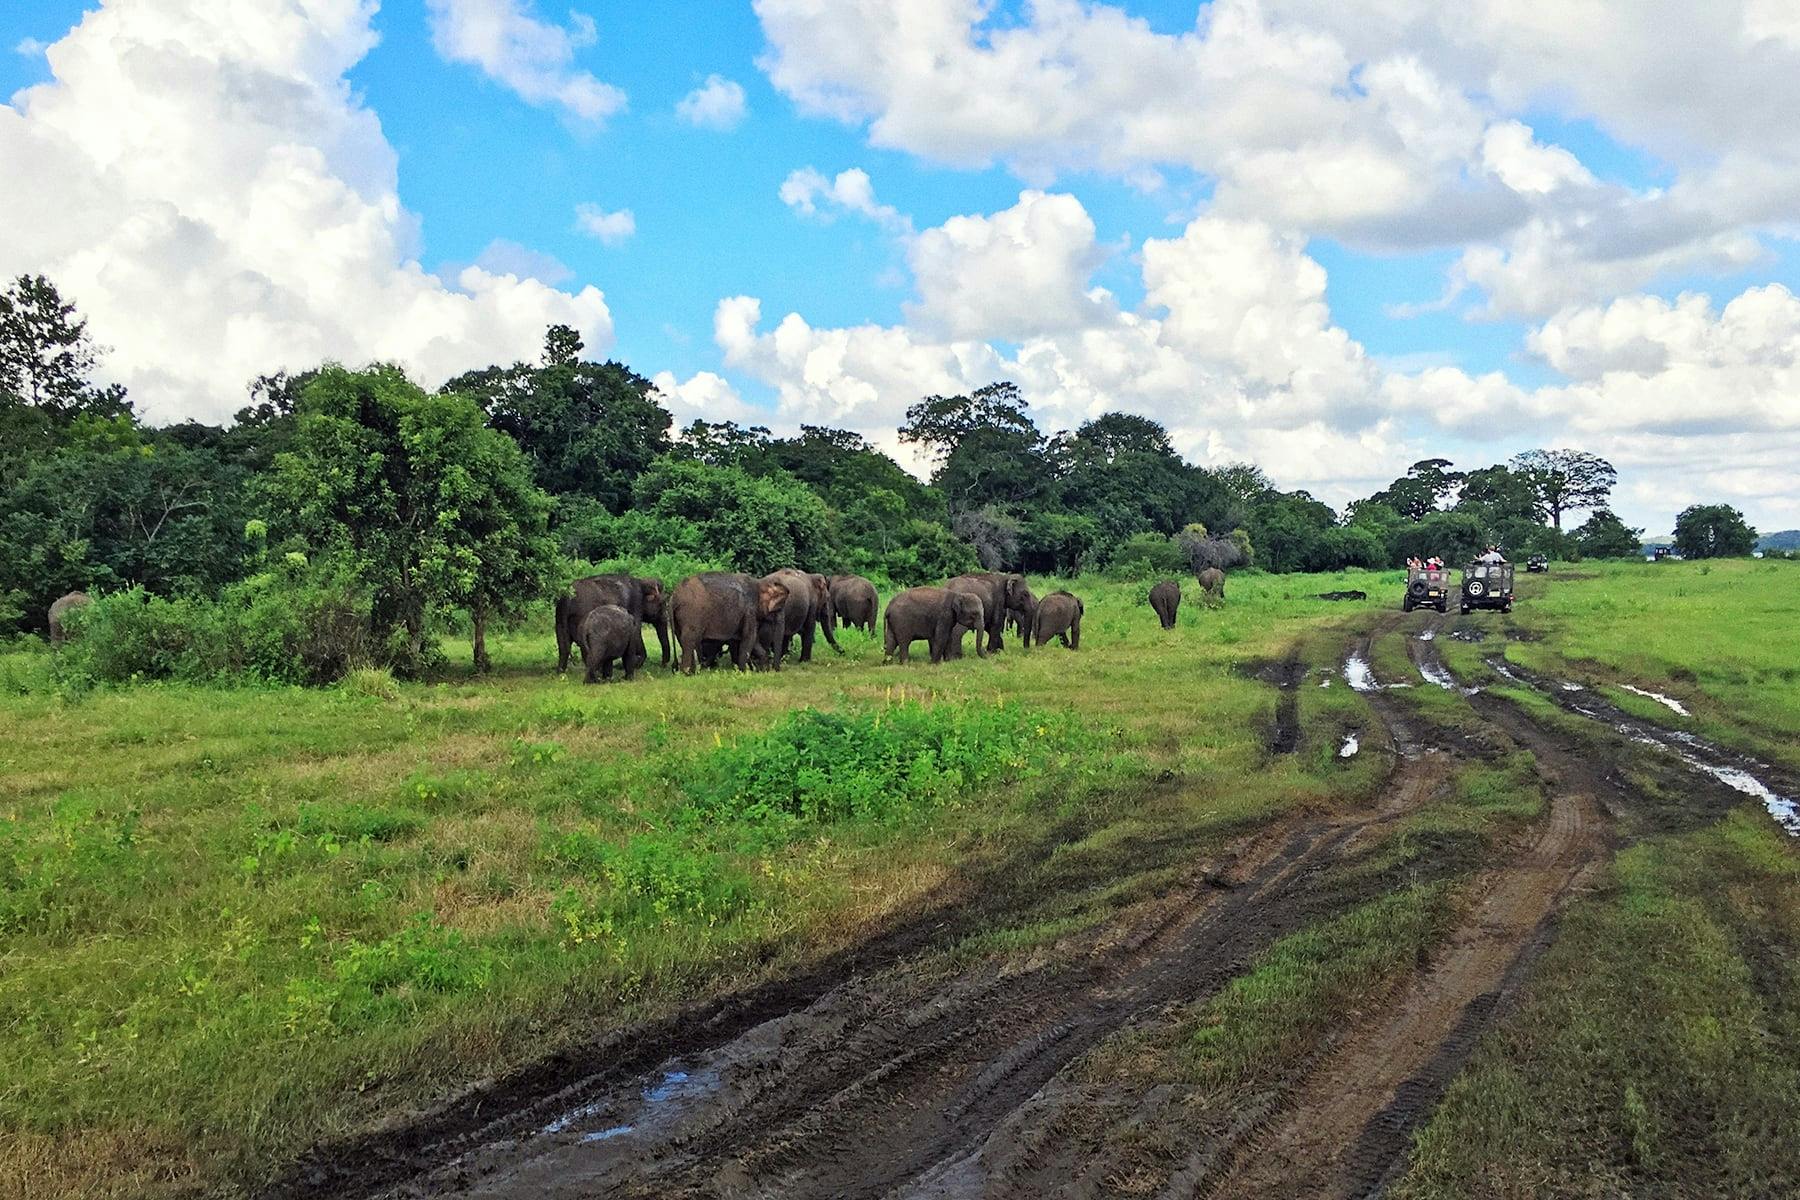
(343, 515)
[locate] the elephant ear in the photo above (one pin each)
(773, 596)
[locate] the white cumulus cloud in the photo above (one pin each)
(510, 45)
(716, 104)
(610, 228)
(808, 192)
(200, 179)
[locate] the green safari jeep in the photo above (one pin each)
(1426, 587)
(1487, 585)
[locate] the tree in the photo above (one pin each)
(940, 424)
(588, 428)
(1115, 433)
(723, 444)
(47, 359)
(1713, 531)
(992, 465)
(757, 525)
(1567, 479)
(993, 534)
(1421, 489)
(1604, 535)
(424, 505)
(1507, 505)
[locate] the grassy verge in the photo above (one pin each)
(234, 921)
(1721, 637)
(1656, 1049)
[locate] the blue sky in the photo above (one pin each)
(478, 163)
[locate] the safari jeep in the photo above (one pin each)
(1537, 564)
(1487, 585)
(1426, 587)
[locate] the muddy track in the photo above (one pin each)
(1349, 1132)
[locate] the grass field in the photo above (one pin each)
(234, 922)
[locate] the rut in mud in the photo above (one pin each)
(909, 1073)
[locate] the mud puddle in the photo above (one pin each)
(1669, 702)
(1285, 675)
(1739, 772)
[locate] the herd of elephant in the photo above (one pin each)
(756, 620)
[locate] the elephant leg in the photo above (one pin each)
(592, 668)
(662, 636)
(1075, 635)
(562, 641)
(806, 642)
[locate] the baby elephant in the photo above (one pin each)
(1165, 598)
(606, 633)
(1058, 616)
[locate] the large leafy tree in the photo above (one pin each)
(757, 525)
(939, 424)
(1122, 471)
(1713, 531)
(1604, 535)
(47, 359)
(1421, 490)
(1567, 479)
(1507, 505)
(427, 506)
(588, 428)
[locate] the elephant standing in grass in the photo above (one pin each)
(807, 612)
(59, 612)
(934, 615)
(1212, 580)
(1165, 598)
(1058, 615)
(607, 633)
(856, 601)
(642, 598)
(1020, 616)
(725, 606)
(999, 594)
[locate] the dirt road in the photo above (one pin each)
(916, 1071)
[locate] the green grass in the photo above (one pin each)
(1722, 637)
(1657, 1051)
(234, 921)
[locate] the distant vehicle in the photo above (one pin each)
(1537, 564)
(1487, 585)
(1665, 552)
(1426, 587)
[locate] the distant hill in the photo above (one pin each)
(1787, 539)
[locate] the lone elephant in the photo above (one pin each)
(1212, 581)
(1165, 598)
(933, 615)
(731, 608)
(610, 633)
(856, 601)
(642, 598)
(999, 594)
(1058, 616)
(59, 612)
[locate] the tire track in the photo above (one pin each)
(1350, 1128)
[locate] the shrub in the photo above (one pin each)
(817, 766)
(1148, 556)
(298, 625)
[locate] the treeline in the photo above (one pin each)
(344, 515)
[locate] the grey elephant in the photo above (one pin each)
(642, 598)
(1165, 598)
(933, 615)
(1212, 581)
(726, 606)
(999, 594)
(1058, 616)
(1018, 618)
(59, 612)
(609, 633)
(805, 615)
(856, 602)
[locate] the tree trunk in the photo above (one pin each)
(478, 617)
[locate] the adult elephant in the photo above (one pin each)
(1165, 598)
(59, 612)
(1058, 615)
(642, 598)
(1212, 581)
(725, 606)
(807, 612)
(856, 601)
(936, 616)
(999, 594)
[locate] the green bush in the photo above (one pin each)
(294, 626)
(1148, 556)
(814, 766)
